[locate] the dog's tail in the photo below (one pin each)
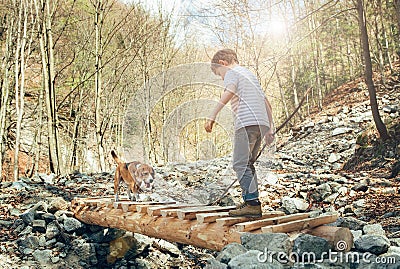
(115, 156)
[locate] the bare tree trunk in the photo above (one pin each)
(316, 55)
(384, 36)
(46, 48)
(5, 87)
(75, 133)
(397, 7)
(19, 75)
(98, 82)
(379, 47)
(38, 134)
(368, 72)
(349, 61)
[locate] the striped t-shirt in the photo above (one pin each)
(248, 103)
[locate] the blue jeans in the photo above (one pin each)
(246, 145)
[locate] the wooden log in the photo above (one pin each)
(340, 238)
(300, 224)
(190, 213)
(233, 220)
(207, 235)
(256, 224)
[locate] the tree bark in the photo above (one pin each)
(47, 53)
(368, 71)
(397, 11)
(19, 66)
(5, 88)
(98, 82)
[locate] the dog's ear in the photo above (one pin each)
(153, 174)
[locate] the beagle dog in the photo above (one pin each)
(137, 176)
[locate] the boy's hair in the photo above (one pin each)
(225, 55)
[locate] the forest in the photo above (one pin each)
(79, 78)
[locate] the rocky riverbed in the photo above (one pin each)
(329, 163)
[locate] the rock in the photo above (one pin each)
(310, 247)
(27, 251)
(39, 226)
(106, 235)
(395, 242)
(278, 242)
(356, 234)
(294, 205)
(120, 247)
(72, 224)
(253, 259)
(6, 224)
(167, 247)
(42, 256)
(334, 157)
(360, 187)
(374, 244)
(57, 204)
(85, 251)
(230, 251)
(28, 216)
(18, 185)
(359, 203)
(14, 212)
(48, 217)
(62, 214)
(389, 109)
(321, 192)
(374, 229)
(350, 222)
(26, 231)
(30, 241)
(52, 230)
(339, 131)
(215, 264)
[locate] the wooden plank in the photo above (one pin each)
(210, 217)
(233, 220)
(300, 224)
(156, 210)
(174, 212)
(127, 205)
(142, 208)
(256, 224)
(190, 213)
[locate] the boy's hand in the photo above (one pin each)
(209, 125)
(269, 137)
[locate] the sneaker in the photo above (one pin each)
(246, 210)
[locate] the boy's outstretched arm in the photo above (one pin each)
(226, 96)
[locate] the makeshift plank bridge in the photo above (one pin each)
(199, 225)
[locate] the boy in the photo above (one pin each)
(253, 121)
